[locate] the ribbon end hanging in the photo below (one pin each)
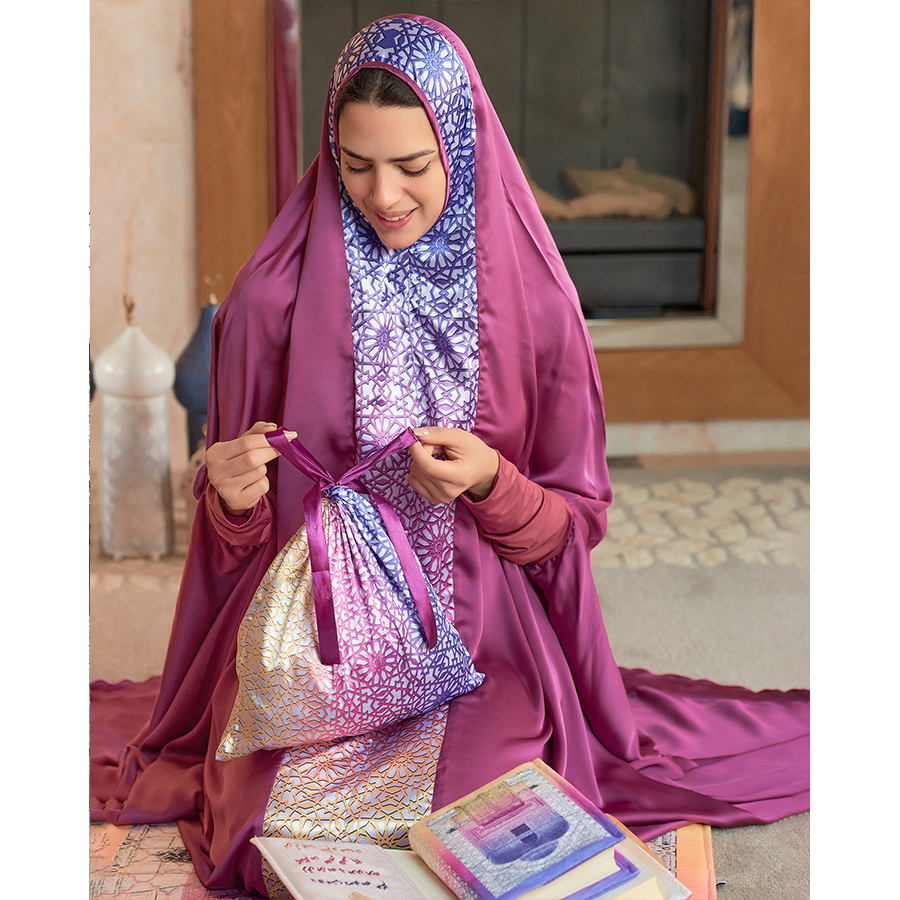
(431, 636)
(329, 656)
(418, 587)
(326, 625)
(412, 571)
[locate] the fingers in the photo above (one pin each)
(261, 428)
(237, 469)
(253, 440)
(431, 435)
(437, 437)
(423, 489)
(450, 461)
(266, 428)
(431, 477)
(422, 453)
(240, 498)
(250, 450)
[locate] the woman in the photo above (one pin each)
(410, 280)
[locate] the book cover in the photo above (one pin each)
(153, 857)
(523, 832)
(528, 835)
(693, 865)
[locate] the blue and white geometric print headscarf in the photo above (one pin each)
(414, 311)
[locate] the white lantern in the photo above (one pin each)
(134, 377)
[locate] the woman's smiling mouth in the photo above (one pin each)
(393, 220)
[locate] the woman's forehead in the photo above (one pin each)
(385, 133)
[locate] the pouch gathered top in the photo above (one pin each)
(344, 634)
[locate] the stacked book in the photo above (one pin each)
(529, 835)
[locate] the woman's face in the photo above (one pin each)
(392, 170)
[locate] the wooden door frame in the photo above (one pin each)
(767, 376)
(231, 135)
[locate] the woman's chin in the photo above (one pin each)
(396, 240)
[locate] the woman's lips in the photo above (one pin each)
(393, 220)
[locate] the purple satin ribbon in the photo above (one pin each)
(323, 597)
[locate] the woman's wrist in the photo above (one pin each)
(481, 490)
(524, 521)
(236, 513)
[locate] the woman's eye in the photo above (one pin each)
(415, 173)
(356, 171)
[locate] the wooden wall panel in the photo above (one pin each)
(778, 239)
(768, 376)
(231, 127)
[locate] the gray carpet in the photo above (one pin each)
(704, 572)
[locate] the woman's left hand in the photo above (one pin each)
(470, 465)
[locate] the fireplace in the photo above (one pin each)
(601, 99)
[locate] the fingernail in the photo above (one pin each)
(420, 432)
(290, 435)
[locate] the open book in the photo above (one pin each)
(529, 835)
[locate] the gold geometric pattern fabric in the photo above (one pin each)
(278, 629)
(367, 789)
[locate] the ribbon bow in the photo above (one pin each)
(296, 454)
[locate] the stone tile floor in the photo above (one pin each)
(693, 523)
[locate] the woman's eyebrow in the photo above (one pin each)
(397, 159)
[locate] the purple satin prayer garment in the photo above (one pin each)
(491, 338)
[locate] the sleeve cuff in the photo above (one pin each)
(240, 531)
(525, 522)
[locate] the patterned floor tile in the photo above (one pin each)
(694, 524)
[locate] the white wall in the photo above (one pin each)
(142, 183)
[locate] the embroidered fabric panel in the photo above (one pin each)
(415, 311)
(368, 789)
(414, 315)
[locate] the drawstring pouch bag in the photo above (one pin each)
(344, 634)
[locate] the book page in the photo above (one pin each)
(425, 880)
(334, 870)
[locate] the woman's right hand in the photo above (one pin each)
(237, 469)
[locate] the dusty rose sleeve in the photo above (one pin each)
(240, 531)
(525, 522)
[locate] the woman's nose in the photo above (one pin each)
(385, 190)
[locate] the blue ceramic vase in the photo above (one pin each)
(192, 376)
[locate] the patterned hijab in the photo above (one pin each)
(414, 311)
